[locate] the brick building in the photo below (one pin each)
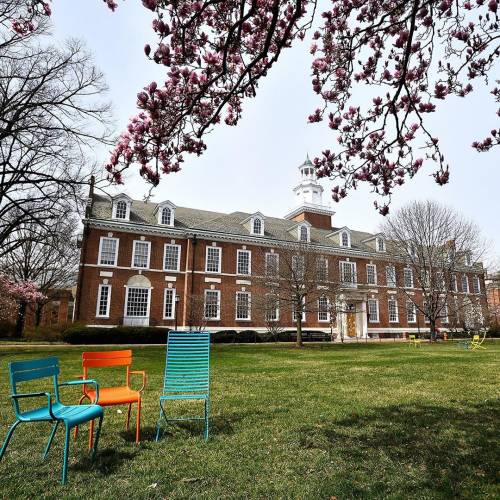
(493, 296)
(142, 263)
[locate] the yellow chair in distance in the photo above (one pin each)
(413, 341)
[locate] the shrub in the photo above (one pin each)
(116, 335)
(7, 329)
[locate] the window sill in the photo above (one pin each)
(246, 320)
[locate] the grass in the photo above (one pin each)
(352, 421)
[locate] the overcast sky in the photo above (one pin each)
(254, 166)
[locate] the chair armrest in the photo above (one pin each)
(84, 382)
(36, 395)
(144, 378)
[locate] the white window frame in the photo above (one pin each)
(299, 266)
(108, 304)
(374, 266)
(476, 284)
(413, 310)
(173, 245)
(249, 306)
(380, 244)
(170, 222)
(132, 264)
(320, 311)
(353, 272)
(276, 310)
(238, 253)
(446, 313)
(219, 264)
(396, 314)
(407, 271)
(148, 309)
(127, 209)
(370, 316)
(390, 283)
(342, 239)
(276, 274)
(254, 219)
(174, 295)
(322, 260)
(205, 305)
(466, 281)
(299, 233)
(303, 311)
(100, 251)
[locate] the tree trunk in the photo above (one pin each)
(21, 318)
(432, 326)
(38, 314)
(299, 330)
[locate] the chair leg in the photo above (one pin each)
(51, 438)
(207, 410)
(158, 425)
(91, 434)
(98, 433)
(127, 425)
(138, 428)
(79, 402)
(65, 458)
(7, 438)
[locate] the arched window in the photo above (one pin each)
(166, 216)
(380, 245)
(304, 233)
(345, 239)
(257, 226)
(121, 210)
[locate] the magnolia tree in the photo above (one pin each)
(409, 54)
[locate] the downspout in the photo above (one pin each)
(193, 262)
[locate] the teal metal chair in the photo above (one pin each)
(54, 411)
(187, 374)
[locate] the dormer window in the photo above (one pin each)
(468, 259)
(380, 245)
(166, 213)
(121, 207)
(303, 234)
(345, 239)
(257, 226)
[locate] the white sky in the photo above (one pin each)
(253, 166)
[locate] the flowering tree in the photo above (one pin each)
(411, 53)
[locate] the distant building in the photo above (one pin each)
(493, 296)
(142, 262)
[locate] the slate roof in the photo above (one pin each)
(193, 219)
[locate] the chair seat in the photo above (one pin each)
(71, 415)
(115, 396)
(184, 396)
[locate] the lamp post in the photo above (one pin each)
(177, 299)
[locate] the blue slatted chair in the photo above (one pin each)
(54, 411)
(187, 373)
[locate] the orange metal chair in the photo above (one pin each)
(109, 396)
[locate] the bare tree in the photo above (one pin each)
(46, 256)
(300, 280)
(196, 312)
(267, 309)
(437, 246)
(52, 118)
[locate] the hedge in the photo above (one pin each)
(116, 335)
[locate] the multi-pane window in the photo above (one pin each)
(411, 312)
(171, 257)
(453, 283)
(347, 272)
(444, 314)
(295, 313)
(380, 245)
(465, 284)
(121, 210)
(103, 300)
(272, 264)
(390, 274)
(298, 265)
(272, 307)
(137, 305)
(424, 278)
(439, 280)
(323, 312)
(140, 254)
(213, 259)
(257, 226)
(243, 265)
(344, 239)
(322, 264)
(166, 216)
(476, 284)
(169, 304)
(427, 311)
(212, 304)
(242, 305)
(373, 310)
(108, 251)
(468, 259)
(408, 277)
(393, 311)
(304, 233)
(371, 274)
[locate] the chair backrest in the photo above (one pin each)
(412, 337)
(105, 359)
(33, 369)
(187, 367)
(475, 338)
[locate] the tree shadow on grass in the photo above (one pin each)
(415, 450)
(107, 461)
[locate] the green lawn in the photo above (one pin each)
(355, 421)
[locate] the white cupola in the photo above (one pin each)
(309, 191)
